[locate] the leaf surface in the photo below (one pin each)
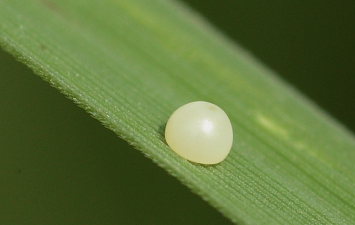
(131, 63)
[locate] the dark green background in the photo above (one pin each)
(59, 166)
(311, 43)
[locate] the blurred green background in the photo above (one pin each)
(310, 43)
(59, 166)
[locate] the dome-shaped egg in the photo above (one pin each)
(200, 132)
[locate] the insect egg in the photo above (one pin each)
(200, 132)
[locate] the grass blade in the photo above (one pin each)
(131, 63)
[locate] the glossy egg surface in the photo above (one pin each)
(200, 132)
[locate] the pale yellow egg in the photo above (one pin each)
(200, 132)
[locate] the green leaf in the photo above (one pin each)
(60, 166)
(131, 63)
